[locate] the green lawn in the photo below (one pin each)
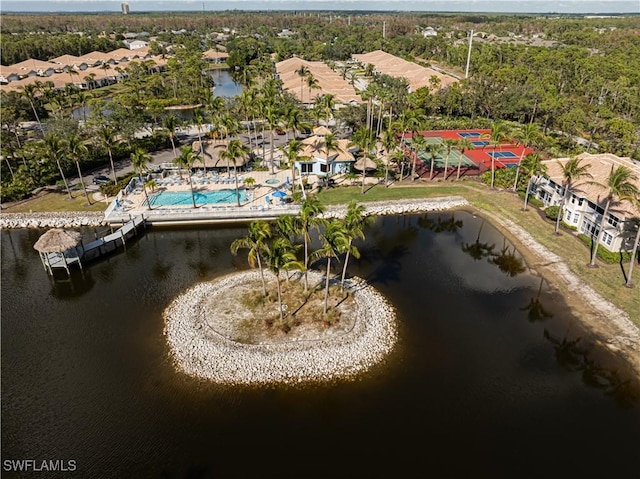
(56, 202)
(344, 194)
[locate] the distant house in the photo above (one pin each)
(586, 203)
(316, 160)
(215, 56)
(429, 32)
(285, 33)
(136, 44)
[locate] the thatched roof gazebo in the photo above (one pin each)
(58, 248)
(365, 163)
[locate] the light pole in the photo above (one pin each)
(466, 73)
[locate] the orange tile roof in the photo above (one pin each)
(397, 67)
(329, 82)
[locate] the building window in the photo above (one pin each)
(576, 217)
(306, 167)
(324, 168)
(580, 201)
(568, 217)
(613, 220)
(607, 238)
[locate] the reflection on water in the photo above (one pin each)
(489, 363)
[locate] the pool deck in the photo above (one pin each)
(257, 207)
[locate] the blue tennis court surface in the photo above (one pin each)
(469, 134)
(480, 143)
(504, 154)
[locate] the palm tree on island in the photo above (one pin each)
(353, 223)
(334, 240)
(255, 242)
(310, 212)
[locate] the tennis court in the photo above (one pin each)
(475, 160)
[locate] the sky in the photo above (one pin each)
(512, 6)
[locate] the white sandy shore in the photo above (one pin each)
(200, 351)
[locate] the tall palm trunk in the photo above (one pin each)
(113, 168)
(526, 195)
(326, 286)
(459, 165)
(634, 252)
(235, 173)
(306, 260)
(86, 195)
(594, 253)
(64, 179)
(279, 297)
(493, 169)
(264, 284)
(515, 183)
(561, 209)
(344, 268)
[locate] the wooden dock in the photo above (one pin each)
(93, 250)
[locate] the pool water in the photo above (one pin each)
(180, 198)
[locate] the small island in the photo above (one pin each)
(224, 331)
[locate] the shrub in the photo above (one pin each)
(610, 257)
(551, 212)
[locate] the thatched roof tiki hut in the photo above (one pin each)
(58, 248)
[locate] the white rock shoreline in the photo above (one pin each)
(200, 351)
(73, 219)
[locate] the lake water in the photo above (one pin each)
(476, 387)
(224, 84)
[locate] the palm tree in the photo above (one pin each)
(311, 84)
(293, 149)
(310, 211)
(198, 117)
(54, 150)
(418, 143)
(363, 140)
(170, 124)
(497, 135)
(280, 255)
(433, 150)
(528, 135)
(449, 144)
(302, 72)
(532, 167)
(235, 149)
(140, 160)
(272, 116)
(29, 92)
(620, 184)
(107, 137)
(185, 160)
(354, 223)
(77, 149)
(334, 240)
(255, 242)
(572, 171)
(463, 144)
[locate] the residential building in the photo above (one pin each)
(587, 200)
(314, 159)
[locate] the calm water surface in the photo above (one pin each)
(488, 379)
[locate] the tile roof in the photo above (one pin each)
(600, 166)
(397, 67)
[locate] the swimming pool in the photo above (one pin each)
(183, 198)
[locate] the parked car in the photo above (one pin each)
(100, 180)
(280, 132)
